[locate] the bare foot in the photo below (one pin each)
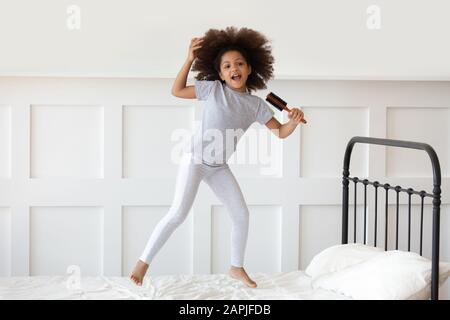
(239, 273)
(139, 272)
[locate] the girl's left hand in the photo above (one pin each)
(296, 116)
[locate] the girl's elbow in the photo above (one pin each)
(277, 132)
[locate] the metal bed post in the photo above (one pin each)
(345, 184)
(436, 198)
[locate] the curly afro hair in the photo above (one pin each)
(253, 46)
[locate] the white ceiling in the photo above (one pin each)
(323, 39)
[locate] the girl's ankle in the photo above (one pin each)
(237, 268)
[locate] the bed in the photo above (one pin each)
(341, 272)
(276, 286)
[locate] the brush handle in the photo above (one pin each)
(287, 109)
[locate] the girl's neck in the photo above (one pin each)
(244, 90)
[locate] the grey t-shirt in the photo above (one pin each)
(227, 115)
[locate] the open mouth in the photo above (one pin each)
(236, 78)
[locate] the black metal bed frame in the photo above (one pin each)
(436, 195)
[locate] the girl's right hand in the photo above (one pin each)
(195, 44)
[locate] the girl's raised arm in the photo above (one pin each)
(179, 88)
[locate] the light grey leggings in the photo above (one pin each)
(223, 183)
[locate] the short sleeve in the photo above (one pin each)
(264, 112)
(203, 88)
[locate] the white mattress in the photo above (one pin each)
(275, 286)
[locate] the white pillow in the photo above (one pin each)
(390, 275)
(338, 257)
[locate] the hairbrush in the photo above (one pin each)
(278, 103)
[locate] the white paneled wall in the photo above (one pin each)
(88, 167)
(5, 241)
(62, 236)
(146, 131)
(264, 253)
(319, 229)
(5, 142)
(420, 124)
(332, 124)
(175, 257)
(66, 141)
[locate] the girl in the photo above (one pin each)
(231, 64)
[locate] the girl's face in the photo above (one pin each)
(234, 70)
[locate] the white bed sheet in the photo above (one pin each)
(274, 286)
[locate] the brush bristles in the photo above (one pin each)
(276, 101)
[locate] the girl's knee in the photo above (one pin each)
(176, 220)
(176, 216)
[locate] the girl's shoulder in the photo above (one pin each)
(204, 88)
